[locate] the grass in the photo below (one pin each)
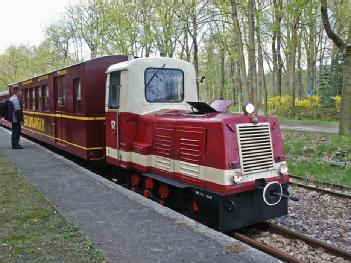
(285, 120)
(31, 230)
(309, 154)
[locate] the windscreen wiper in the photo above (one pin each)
(154, 75)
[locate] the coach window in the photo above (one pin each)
(36, 94)
(77, 94)
(30, 99)
(40, 98)
(33, 98)
(114, 88)
(45, 93)
(25, 99)
(164, 85)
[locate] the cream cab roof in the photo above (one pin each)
(132, 93)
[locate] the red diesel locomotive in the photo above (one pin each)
(142, 116)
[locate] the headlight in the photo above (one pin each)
(237, 177)
(284, 169)
(249, 108)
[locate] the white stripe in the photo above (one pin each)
(210, 174)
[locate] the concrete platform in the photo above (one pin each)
(123, 224)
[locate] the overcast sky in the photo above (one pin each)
(23, 21)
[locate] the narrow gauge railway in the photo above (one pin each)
(323, 187)
(249, 236)
(143, 117)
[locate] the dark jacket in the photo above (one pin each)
(18, 113)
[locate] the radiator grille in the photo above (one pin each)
(255, 147)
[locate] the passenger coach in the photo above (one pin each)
(65, 108)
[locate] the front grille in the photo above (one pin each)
(255, 147)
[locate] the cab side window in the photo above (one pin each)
(114, 89)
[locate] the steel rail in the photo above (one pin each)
(316, 243)
(290, 234)
(265, 248)
(342, 190)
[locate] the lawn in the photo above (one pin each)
(309, 155)
(31, 230)
(285, 120)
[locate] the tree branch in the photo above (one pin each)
(331, 34)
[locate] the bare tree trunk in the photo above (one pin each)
(310, 50)
(252, 54)
(299, 71)
(238, 39)
(292, 58)
(276, 43)
(345, 111)
(232, 78)
(276, 48)
(221, 91)
(262, 78)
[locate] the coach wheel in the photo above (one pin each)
(272, 193)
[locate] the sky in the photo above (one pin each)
(24, 21)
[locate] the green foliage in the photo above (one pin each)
(22, 62)
(330, 83)
(308, 108)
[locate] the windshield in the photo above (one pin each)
(164, 85)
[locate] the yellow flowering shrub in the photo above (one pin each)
(337, 100)
(311, 102)
(309, 107)
(278, 103)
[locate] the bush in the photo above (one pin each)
(308, 108)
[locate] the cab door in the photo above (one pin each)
(111, 113)
(60, 107)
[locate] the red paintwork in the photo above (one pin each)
(72, 135)
(164, 191)
(159, 133)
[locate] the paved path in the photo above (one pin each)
(310, 128)
(123, 224)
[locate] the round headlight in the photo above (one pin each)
(284, 169)
(237, 177)
(249, 108)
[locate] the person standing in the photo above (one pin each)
(15, 116)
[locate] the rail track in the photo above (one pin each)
(332, 189)
(292, 235)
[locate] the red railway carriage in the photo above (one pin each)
(65, 108)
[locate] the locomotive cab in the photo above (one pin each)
(143, 85)
(148, 84)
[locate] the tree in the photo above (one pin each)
(239, 42)
(345, 47)
(252, 77)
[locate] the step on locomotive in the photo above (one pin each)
(142, 116)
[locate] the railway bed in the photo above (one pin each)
(332, 189)
(290, 246)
